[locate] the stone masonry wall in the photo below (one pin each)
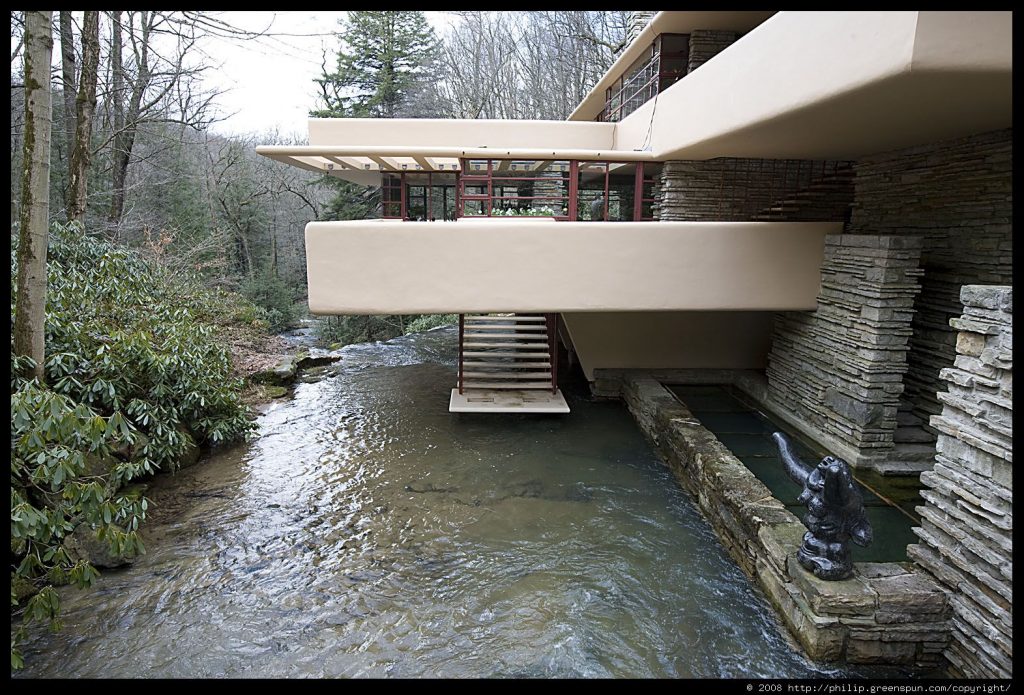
(958, 196)
(967, 521)
(731, 189)
(839, 369)
(705, 44)
(885, 613)
(637, 22)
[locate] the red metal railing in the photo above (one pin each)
(551, 321)
(462, 333)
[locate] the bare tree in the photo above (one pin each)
(17, 33)
(30, 315)
(151, 87)
(69, 77)
(525, 65)
(85, 108)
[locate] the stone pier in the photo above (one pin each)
(967, 522)
(837, 372)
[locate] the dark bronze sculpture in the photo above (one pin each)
(835, 513)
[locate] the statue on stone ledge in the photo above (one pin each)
(835, 513)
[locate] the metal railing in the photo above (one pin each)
(551, 320)
(623, 107)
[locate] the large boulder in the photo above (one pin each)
(280, 375)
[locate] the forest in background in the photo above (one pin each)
(206, 205)
(150, 256)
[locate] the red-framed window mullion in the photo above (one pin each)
(638, 192)
(404, 197)
(458, 192)
(574, 169)
(607, 173)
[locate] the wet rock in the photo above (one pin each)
(280, 375)
(84, 544)
(843, 597)
(276, 391)
(306, 361)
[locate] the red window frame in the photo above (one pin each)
(621, 97)
(493, 179)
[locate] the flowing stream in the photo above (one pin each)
(368, 532)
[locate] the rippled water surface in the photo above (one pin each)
(369, 532)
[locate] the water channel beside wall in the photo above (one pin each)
(746, 432)
(369, 532)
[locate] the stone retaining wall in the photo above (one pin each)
(967, 522)
(731, 189)
(958, 196)
(839, 369)
(887, 613)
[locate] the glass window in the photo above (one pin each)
(661, 65)
(391, 195)
(517, 187)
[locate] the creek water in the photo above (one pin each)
(367, 531)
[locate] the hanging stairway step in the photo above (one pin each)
(506, 327)
(517, 318)
(473, 364)
(507, 375)
(521, 336)
(467, 385)
(507, 344)
(533, 354)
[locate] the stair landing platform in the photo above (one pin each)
(507, 401)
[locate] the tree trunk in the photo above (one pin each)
(117, 96)
(86, 107)
(67, 55)
(124, 141)
(30, 309)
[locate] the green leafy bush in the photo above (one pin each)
(428, 321)
(344, 330)
(134, 378)
(275, 297)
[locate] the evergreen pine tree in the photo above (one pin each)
(382, 63)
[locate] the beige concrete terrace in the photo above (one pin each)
(480, 265)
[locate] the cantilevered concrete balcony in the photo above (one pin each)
(831, 85)
(541, 265)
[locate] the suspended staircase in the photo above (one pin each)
(508, 363)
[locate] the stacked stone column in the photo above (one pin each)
(637, 22)
(705, 44)
(838, 371)
(967, 522)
